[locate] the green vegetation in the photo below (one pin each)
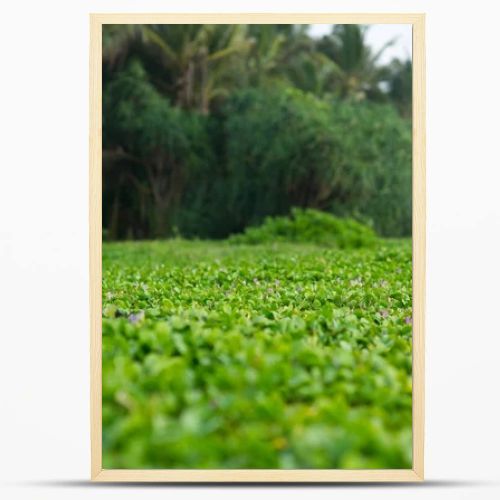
(275, 355)
(286, 148)
(268, 323)
(309, 226)
(208, 129)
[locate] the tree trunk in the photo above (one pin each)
(165, 180)
(115, 212)
(204, 104)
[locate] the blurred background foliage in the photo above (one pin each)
(208, 129)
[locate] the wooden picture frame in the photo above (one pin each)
(258, 475)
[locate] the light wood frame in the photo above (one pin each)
(95, 213)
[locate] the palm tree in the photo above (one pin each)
(400, 85)
(189, 63)
(117, 40)
(353, 64)
(275, 52)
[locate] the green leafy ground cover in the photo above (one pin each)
(256, 356)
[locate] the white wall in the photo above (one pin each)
(43, 248)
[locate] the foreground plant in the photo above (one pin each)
(263, 356)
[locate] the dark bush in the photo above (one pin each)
(265, 151)
(286, 148)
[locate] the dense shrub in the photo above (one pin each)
(279, 153)
(374, 171)
(168, 170)
(286, 148)
(309, 226)
(158, 148)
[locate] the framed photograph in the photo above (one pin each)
(257, 247)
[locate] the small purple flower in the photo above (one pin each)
(408, 320)
(384, 313)
(135, 318)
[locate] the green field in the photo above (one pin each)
(267, 356)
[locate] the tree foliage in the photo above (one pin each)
(160, 146)
(208, 129)
(288, 148)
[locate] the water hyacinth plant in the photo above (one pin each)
(276, 355)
